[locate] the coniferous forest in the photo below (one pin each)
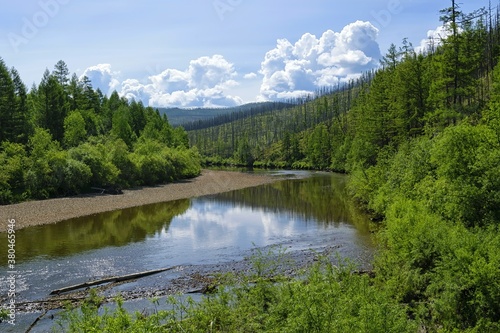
(419, 138)
(62, 138)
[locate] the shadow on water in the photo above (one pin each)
(321, 198)
(117, 228)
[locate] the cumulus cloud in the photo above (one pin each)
(287, 71)
(250, 76)
(293, 70)
(203, 84)
(102, 77)
(434, 38)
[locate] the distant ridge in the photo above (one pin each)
(178, 116)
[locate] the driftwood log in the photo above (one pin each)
(110, 279)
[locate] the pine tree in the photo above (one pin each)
(52, 106)
(21, 120)
(61, 73)
(7, 105)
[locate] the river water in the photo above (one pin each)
(305, 212)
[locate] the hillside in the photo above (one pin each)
(177, 116)
(420, 140)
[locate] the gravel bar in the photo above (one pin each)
(32, 213)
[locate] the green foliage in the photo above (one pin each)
(104, 172)
(88, 319)
(157, 163)
(74, 129)
(12, 165)
(326, 299)
(102, 137)
(243, 154)
(446, 273)
(467, 177)
(121, 128)
(120, 156)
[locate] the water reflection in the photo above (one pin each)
(189, 228)
(321, 197)
(117, 228)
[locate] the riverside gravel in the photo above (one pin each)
(33, 213)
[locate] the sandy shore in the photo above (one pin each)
(33, 213)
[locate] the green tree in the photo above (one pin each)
(7, 105)
(98, 159)
(74, 129)
(243, 154)
(39, 181)
(137, 117)
(21, 121)
(121, 128)
(13, 161)
(52, 105)
(61, 73)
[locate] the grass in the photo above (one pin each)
(327, 298)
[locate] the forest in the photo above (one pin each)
(420, 140)
(190, 118)
(63, 138)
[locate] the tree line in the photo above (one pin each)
(226, 139)
(244, 111)
(62, 137)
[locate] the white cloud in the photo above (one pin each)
(250, 76)
(102, 77)
(293, 70)
(203, 84)
(287, 71)
(434, 38)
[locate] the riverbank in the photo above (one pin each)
(49, 211)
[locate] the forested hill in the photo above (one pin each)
(63, 137)
(252, 138)
(420, 139)
(412, 94)
(192, 117)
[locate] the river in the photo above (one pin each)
(305, 213)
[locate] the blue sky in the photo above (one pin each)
(211, 52)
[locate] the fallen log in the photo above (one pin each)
(111, 279)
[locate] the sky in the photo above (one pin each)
(212, 53)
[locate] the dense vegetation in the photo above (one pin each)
(329, 299)
(256, 140)
(420, 138)
(63, 137)
(190, 118)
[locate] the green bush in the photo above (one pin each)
(104, 172)
(446, 273)
(12, 168)
(327, 298)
